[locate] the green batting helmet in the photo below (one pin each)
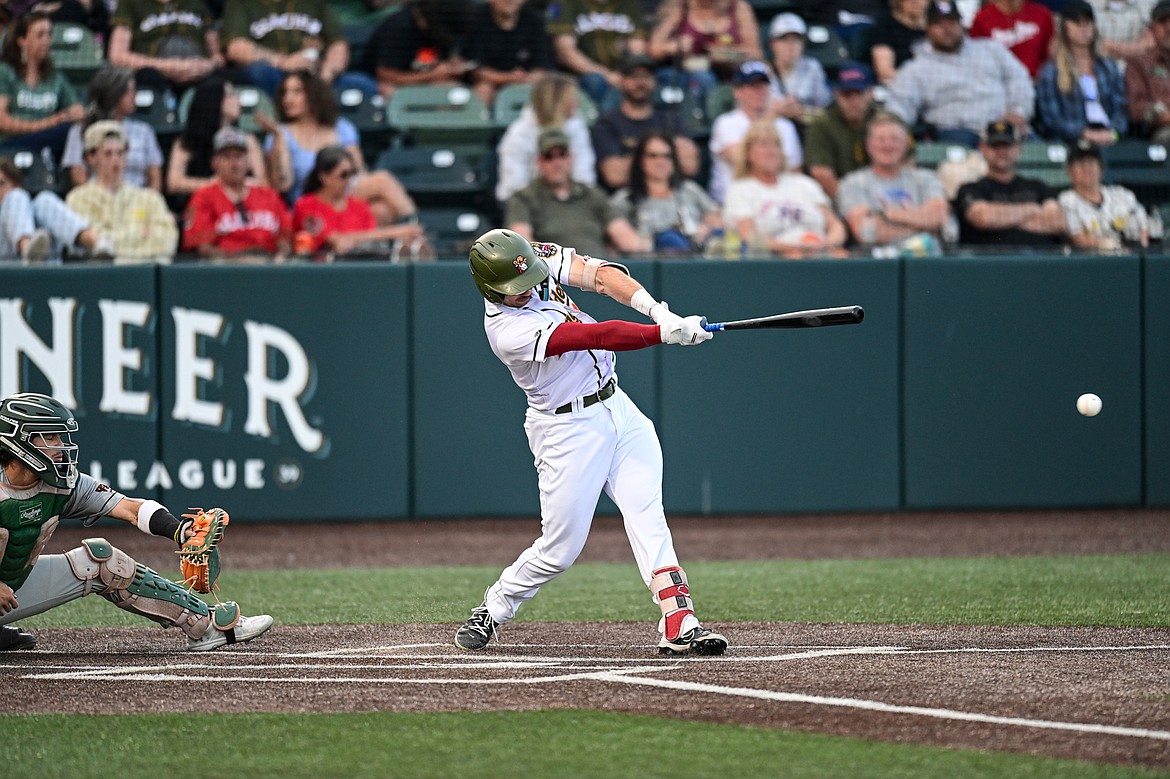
(504, 263)
(26, 415)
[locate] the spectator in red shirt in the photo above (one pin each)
(1025, 27)
(333, 219)
(230, 219)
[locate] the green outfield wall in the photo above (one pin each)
(368, 391)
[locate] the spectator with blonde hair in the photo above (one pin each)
(1079, 92)
(553, 103)
(774, 209)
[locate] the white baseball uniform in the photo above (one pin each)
(581, 444)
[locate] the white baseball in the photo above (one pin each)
(1089, 405)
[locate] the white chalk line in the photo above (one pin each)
(593, 669)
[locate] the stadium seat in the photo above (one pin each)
(38, 172)
(509, 102)
(160, 111)
(441, 174)
(434, 114)
(76, 53)
(1140, 166)
(719, 100)
(452, 230)
(1044, 160)
(253, 100)
(689, 110)
(369, 116)
(931, 154)
(826, 46)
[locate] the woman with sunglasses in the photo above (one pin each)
(332, 218)
(675, 214)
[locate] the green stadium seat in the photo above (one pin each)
(931, 154)
(719, 100)
(253, 100)
(436, 114)
(76, 53)
(1140, 166)
(509, 102)
(453, 230)
(1044, 160)
(826, 46)
(690, 111)
(437, 174)
(151, 106)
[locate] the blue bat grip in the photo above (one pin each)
(711, 327)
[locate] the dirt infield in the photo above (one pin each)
(1090, 693)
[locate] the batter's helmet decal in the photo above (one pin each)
(521, 264)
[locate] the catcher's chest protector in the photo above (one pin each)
(25, 527)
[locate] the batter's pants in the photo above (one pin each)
(609, 446)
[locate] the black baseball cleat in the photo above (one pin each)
(477, 631)
(12, 637)
(696, 641)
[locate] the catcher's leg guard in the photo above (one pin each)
(673, 594)
(138, 589)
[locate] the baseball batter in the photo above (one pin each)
(585, 433)
(39, 486)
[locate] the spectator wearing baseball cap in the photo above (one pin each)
(1099, 217)
(230, 219)
(834, 144)
(1024, 26)
(895, 36)
(1003, 210)
(1080, 93)
(957, 85)
(556, 208)
(754, 101)
(1147, 81)
(804, 89)
(616, 133)
(135, 219)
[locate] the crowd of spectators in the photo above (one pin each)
(810, 156)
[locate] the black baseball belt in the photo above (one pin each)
(605, 393)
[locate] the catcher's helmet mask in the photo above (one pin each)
(503, 263)
(26, 418)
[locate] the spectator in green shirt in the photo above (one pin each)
(37, 103)
(266, 39)
(592, 38)
(168, 43)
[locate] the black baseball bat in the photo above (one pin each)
(817, 317)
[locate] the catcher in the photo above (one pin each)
(40, 485)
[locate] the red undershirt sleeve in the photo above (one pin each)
(614, 336)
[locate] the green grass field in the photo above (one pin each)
(1106, 590)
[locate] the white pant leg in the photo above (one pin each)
(62, 222)
(573, 453)
(16, 222)
(50, 584)
(635, 485)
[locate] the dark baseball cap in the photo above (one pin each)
(1000, 132)
(942, 9)
(752, 72)
(1084, 149)
(635, 61)
(1077, 9)
(1160, 11)
(552, 138)
(854, 77)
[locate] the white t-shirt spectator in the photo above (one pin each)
(728, 130)
(786, 210)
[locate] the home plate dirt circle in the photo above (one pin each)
(1088, 693)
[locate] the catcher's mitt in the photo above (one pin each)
(199, 557)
